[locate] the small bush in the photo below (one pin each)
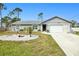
(47, 30)
(29, 30)
(21, 29)
(39, 30)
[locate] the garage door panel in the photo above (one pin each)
(56, 28)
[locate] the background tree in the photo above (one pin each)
(14, 12)
(73, 23)
(2, 7)
(17, 11)
(11, 13)
(40, 16)
(15, 19)
(6, 20)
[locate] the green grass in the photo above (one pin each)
(77, 33)
(43, 46)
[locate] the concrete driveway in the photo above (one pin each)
(68, 42)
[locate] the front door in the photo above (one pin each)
(44, 27)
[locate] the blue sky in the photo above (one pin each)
(69, 11)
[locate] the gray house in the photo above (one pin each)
(54, 24)
(17, 26)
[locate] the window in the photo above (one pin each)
(34, 26)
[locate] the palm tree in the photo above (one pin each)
(1, 8)
(6, 20)
(17, 11)
(40, 16)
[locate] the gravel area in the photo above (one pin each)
(18, 37)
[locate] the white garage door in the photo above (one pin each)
(56, 29)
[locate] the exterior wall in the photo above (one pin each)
(14, 28)
(39, 27)
(58, 22)
(53, 22)
(18, 27)
(22, 27)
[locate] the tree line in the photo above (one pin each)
(8, 20)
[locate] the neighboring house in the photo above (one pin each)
(54, 24)
(76, 25)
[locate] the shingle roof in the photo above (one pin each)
(27, 22)
(39, 22)
(57, 17)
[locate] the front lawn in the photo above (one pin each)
(43, 46)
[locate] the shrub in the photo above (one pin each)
(21, 29)
(39, 30)
(30, 30)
